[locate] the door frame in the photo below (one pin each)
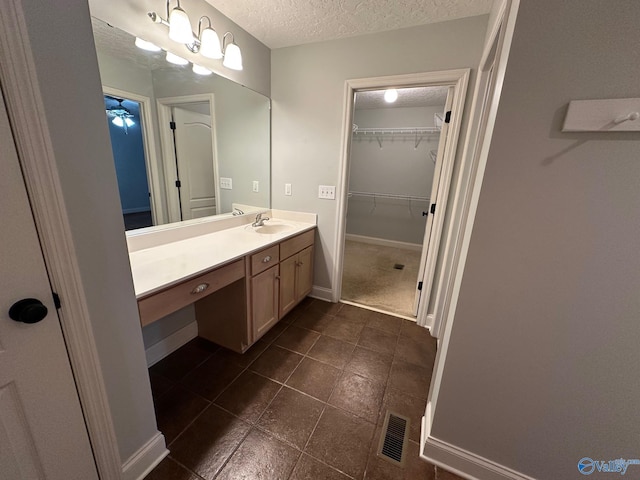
(458, 79)
(33, 141)
(483, 116)
(168, 152)
(154, 175)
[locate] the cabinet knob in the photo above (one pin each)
(200, 288)
(277, 277)
(266, 259)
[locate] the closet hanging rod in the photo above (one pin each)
(396, 131)
(388, 195)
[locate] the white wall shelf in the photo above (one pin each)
(607, 115)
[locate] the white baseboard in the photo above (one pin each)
(170, 344)
(322, 293)
(462, 462)
(144, 460)
(385, 243)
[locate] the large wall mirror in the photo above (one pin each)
(185, 145)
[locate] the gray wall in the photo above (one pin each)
(542, 362)
(71, 83)
(308, 103)
(397, 167)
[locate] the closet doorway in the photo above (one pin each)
(398, 168)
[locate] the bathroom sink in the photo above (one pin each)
(271, 227)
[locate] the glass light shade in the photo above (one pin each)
(200, 70)
(144, 45)
(129, 122)
(391, 95)
(232, 57)
(210, 44)
(176, 60)
(118, 122)
(180, 26)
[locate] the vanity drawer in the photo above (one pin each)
(297, 243)
(174, 298)
(264, 259)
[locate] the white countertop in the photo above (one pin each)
(164, 265)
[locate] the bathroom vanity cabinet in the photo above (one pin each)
(237, 303)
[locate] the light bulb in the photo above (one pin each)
(210, 44)
(118, 122)
(144, 45)
(390, 95)
(200, 70)
(232, 57)
(176, 60)
(180, 26)
(129, 122)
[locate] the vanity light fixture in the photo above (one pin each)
(144, 45)
(390, 95)
(200, 70)
(206, 42)
(179, 25)
(232, 54)
(175, 59)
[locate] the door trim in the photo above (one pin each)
(168, 152)
(468, 192)
(24, 103)
(456, 78)
(154, 174)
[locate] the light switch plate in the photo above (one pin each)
(327, 191)
(226, 183)
(256, 186)
(287, 189)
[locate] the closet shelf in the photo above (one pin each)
(363, 132)
(388, 195)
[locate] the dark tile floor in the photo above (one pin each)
(307, 401)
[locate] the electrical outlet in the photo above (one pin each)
(226, 183)
(287, 189)
(256, 186)
(327, 191)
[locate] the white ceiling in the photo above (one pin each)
(407, 97)
(284, 23)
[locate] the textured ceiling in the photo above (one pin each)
(407, 97)
(283, 23)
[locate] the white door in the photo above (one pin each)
(42, 430)
(430, 245)
(195, 163)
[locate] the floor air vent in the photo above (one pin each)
(393, 442)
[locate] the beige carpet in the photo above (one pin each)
(369, 277)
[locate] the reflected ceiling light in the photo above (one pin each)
(232, 54)
(175, 59)
(120, 116)
(200, 70)
(144, 45)
(206, 42)
(390, 95)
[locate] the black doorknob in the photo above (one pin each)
(28, 310)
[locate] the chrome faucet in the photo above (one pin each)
(259, 220)
(237, 211)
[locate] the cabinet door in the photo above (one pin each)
(304, 273)
(264, 301)
(288, 298)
